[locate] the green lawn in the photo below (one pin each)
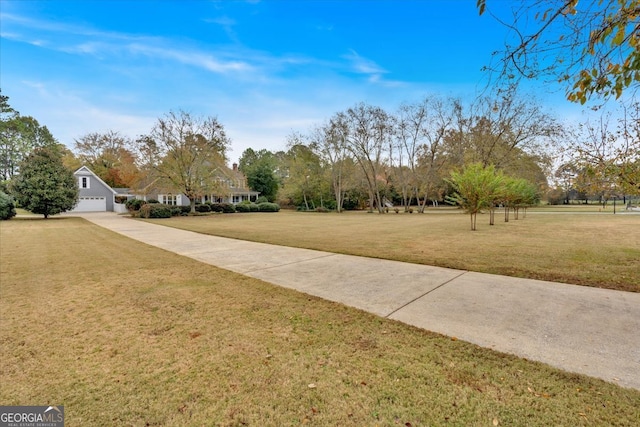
(122, 333)
(576, 245)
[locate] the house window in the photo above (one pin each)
(171, 199)
(84, 182)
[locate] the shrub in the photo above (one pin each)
(216, 207)
(203, 208)
(184, 210)
(322, 209)
(227, 207)
(156, 210)
(268, 207)
(331, 205)
(152, 201)
(243, 207)
(134, 204)
(261, 199)
(254, 207)
(7, 207)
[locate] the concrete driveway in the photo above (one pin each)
(579, 329)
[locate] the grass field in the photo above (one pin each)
(574, 245)
(122, 333)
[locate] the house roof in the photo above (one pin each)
(86, 169)
(122, 191)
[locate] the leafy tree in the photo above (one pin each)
(7, 207)
(186, 153)
(304, 184)
(476, 187)
(518, 193)
(593, 45)
(45, 186)
(259, 168)
(109, 156)
(19, 135)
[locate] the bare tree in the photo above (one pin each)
(420, 131)
(607, 154)
(186, 153)
(368, 132)
(330, 142)
(500, 130)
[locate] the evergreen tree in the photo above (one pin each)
(45, 186)
(7, 208)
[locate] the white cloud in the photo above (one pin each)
(195, 58)
(363, 65)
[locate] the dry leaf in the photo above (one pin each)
(495, 422)
(312, 385)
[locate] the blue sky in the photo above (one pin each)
(264, 68)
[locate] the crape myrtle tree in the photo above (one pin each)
(517, 193)
(476, 187)
(591, 46)
(479, 187)
(185, 153)
(45, 186)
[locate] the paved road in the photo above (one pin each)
(579, 329)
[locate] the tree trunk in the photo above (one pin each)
(423, 205)
(306, 204)
(473, 221)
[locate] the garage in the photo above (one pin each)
(91, 204)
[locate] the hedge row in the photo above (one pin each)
(258, 207)
(156, 210)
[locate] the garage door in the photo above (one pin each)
(91, 204)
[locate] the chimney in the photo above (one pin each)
(235, 167)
